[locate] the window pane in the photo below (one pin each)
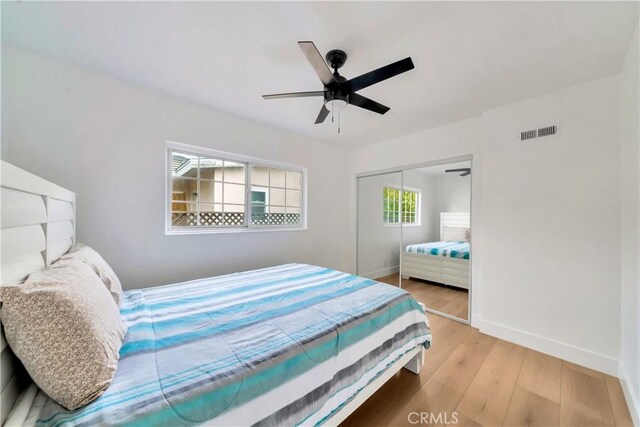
(260, 176)
(184, 189)
(181, 207)
(208, 191)
(294, 198)
(294, 180)
(276, 196)
(211, 168)
(233, 193)
(294, 210)
(183, 214)
(184, 165)
(276, 209)
(234, 172)
(210, 207)
(277, 178)
(210, 214)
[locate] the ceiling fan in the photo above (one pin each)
(339, 92)
(465, 171)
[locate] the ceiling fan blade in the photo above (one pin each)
(366, 103)
(376, 76)
(458, 170)
(317, 62)
(465, 173)
(294, 95)
(324, 112)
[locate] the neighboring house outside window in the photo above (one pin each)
(400, 206)
(211, 191)
(259, 200)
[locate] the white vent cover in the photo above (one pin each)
(538, 133)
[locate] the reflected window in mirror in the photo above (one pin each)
(400, 206)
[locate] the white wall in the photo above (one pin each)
(378, 244)
(551, 228)
(453, 193)
(630, 228)
(546, 237)
(428, 230)
(104, 139)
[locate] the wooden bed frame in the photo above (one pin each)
(439, 269)
(37, 228)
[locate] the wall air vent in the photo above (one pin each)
(547, 131)
(538, 133)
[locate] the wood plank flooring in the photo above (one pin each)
(446, 299)
(489, 382)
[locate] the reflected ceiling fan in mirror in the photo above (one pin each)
(465, 171)
(339, 92)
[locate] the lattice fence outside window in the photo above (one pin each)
(212, 219)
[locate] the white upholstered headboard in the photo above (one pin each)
(453, 225)
(37, 226)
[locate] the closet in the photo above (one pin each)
(414, 231)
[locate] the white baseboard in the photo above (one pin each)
(381, 273)
(629, 395)
(577, 355)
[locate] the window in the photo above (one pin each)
(211, 191)
(398, 204)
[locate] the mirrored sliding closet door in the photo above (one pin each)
(436, 233)
(379, 219)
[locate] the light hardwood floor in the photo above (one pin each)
(446, 299)
(489, 382)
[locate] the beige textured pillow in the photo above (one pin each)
(67, 331)
(100, 267)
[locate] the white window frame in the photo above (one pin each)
(238, 158)
(418, 222)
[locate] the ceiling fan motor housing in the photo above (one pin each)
(336, 58)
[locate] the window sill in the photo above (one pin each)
(189, 231)
(404, 225)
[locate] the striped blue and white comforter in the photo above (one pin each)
(447, 249)
(285, 345)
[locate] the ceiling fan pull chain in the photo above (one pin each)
(338, 122)
(332, 108)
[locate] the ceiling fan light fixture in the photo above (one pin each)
(336, 105)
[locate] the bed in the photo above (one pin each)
(288, 345)
(445, 261)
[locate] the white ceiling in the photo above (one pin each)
(469, 56)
